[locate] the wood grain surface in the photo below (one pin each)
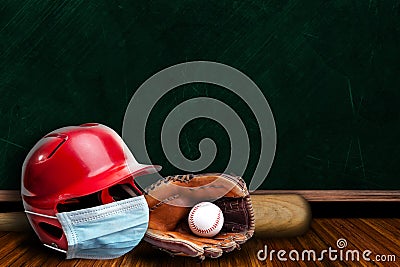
(14, 221)
(10, 195)
(381, 236)
(281, 215)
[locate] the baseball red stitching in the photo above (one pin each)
(203, 231)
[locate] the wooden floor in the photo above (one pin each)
(381, 236)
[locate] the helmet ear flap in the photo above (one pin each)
(51, 230)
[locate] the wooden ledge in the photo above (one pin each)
(309, 195)
(340, 195)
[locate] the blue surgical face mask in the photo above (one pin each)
(105, 232)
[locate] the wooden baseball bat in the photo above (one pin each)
(280, 215)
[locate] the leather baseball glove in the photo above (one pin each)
(170, 201)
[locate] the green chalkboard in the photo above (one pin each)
(330, 71)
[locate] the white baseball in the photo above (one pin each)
(205, 219)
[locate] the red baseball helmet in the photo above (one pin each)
(72, 168)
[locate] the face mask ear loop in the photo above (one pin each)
(128, 190)
(42, 215)
(57, 249)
